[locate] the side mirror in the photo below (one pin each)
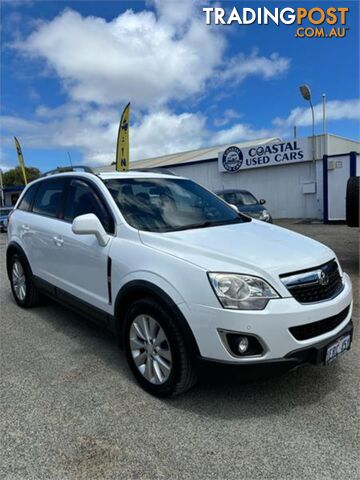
(89, 224)
(262, 201)
(234, 207)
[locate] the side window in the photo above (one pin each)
(82, 199)
(28, 198)
(49, 197)
(230, 197)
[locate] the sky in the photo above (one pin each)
(68, 68)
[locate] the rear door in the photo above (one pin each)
(81, 266)
(41, 226)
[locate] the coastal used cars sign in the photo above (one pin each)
(234, 159)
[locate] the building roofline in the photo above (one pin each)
(196, 156)
(342, 137)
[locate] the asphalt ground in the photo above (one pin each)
(70, 408)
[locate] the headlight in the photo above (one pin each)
(264, 215)
(241, 292)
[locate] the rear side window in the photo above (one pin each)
(28, 198)
(82, 199)
(49, 197)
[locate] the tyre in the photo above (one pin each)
(23, 288)
(352, 202)
(156, 350)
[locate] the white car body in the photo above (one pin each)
(178, 263)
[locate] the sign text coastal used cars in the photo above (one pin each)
(234, 159)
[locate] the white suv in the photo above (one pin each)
(178, 274)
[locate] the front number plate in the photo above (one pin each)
(335, 349)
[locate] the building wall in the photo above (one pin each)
(281, 186)
(11, 197)
(338, 145)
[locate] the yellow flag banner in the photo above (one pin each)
(21, 159)
(122, 146)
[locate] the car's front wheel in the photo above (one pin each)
(156, 350)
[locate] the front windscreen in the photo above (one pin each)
(165, 204)
(239, 198)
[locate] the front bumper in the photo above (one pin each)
(313, 355)
(256, 216)
(271, 326)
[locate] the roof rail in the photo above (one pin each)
(165, 171)
(73, 168)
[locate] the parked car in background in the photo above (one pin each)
(246, 203)
(4, 213)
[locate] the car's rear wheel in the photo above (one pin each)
(22, 284)
(156, 350)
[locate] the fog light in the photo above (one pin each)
(243, 344)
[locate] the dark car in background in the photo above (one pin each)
(4, 213)
(246, 203)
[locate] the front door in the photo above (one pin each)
(81, 263)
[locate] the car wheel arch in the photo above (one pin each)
(12, 249)
(140, 289)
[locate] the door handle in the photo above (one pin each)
(58, 241)
(25, 227)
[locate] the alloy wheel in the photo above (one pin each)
(19, 280)
(150, 349)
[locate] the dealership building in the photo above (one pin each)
(299, 178)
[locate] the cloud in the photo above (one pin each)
(229, 115)
(177, 16)
(239, 132)
(164, 132)
(241, 67)
(90, 130)
(154, 57)
(299, 116)
(94, 130)
(335, 110)
(136, 56)
(148, 57)
(3, 160)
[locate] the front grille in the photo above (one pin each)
(310, 330)
(315, 284)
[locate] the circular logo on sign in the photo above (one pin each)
(232, 159)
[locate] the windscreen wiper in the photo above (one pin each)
(207, 223)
